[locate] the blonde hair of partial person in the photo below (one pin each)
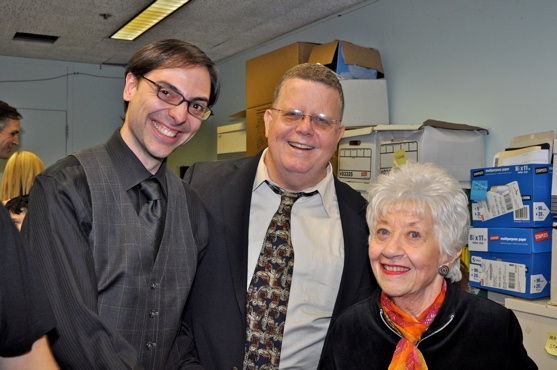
(19, 174)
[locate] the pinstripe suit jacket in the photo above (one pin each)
(217, 304)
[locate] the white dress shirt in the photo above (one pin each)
(318, 242)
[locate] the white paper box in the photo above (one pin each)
(365, 152)
(357, 157)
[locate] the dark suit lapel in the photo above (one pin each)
(237, 192)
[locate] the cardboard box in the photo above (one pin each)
(512, 196)
(265, 71)
(357, 157)
(349, 60)
(455, 147)
(366, 152)
(515, 261)
(255, 129)
(365, 102)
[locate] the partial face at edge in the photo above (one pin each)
(9, 137)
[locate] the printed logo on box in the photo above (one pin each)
(540, 236)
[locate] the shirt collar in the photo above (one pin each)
(130, 169)
(325, 188)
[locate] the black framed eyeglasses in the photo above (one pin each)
(320, 121)
(173, 97)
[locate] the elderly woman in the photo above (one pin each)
(418, 219)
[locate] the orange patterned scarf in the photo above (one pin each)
(407, 356)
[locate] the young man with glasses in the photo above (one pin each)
(116, 234)
(328, 234)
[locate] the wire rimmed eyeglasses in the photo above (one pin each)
(173, 97)
(320, 121)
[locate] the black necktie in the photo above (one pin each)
(269, 290)
(151, 212)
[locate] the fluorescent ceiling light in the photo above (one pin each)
(149, 17)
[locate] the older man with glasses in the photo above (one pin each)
(9, 129)
(116, 233)
(271, 282)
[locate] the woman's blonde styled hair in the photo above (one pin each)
(19, 174)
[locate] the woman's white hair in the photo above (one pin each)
(424, 187)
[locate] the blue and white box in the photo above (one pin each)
(512, 196)
(514, 261)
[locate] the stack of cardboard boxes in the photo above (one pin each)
(359, 68)
(510, 241)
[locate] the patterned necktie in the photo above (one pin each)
(151, 212)
(269, 290)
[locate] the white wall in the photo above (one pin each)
(52, 96)
(490, 63)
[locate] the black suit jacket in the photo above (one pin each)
(217, 304)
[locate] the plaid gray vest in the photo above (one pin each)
(141, 300)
